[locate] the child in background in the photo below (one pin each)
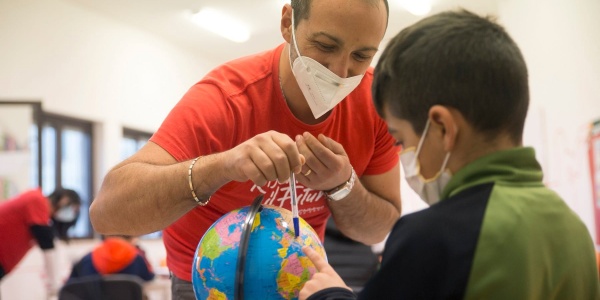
(116, 255)
(31, 218)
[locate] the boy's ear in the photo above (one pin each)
(443, 117)
(286, 23)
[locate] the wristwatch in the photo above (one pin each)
(343, 190)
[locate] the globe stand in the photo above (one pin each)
(243, 249)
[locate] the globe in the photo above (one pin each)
(268, 263)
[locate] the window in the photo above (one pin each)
(67, 162)
(134, 140)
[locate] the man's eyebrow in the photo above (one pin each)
(340, 42)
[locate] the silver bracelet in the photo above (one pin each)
(200, 202)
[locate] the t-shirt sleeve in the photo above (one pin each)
(201, 123)
(385, 156)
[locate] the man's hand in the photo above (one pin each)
(327, 164)
(265, 157)
(325, 277)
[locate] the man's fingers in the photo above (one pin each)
(295, 160)
(324, 148)
(319, 262)
(332, 145)
(320, 151)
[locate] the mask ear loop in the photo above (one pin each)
(421, 144)
(296, 43)
(422, 138)
(445, 162)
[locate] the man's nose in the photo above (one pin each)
(340, 66)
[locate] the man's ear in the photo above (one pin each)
(286, 23)
(443, 118)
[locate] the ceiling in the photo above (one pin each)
(170, 20)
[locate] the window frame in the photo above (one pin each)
(138, 136)
(59, 123)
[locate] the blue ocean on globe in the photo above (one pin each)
(275, 266)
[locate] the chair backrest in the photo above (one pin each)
(96, 287)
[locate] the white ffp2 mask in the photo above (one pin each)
(322, 88)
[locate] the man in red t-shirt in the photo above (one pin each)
(243, 129)
(31, 218)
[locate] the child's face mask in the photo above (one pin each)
(66, 214)
(430, 189)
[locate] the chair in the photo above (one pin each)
(109, 287)
(353, 261)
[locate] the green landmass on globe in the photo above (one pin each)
(275, 267)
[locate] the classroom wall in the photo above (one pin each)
(560, 40)
(84, 65)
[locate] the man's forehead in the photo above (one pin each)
(339, 6)
(347, 20)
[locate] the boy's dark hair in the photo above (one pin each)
(460, 60)
(302, 9)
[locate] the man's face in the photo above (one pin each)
(342, 35)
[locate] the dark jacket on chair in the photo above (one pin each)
(113, 256)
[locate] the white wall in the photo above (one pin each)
(561, 44)
(560, 40)
(87, 66)
(83, 65)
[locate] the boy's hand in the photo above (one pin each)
(325, 277)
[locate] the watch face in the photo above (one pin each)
(339, 195)
(343, 191)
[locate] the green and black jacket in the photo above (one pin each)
(498, 233)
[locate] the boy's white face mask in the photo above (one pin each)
(431, 189)
(322, 88)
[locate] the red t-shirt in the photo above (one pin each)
(239, 100)
(17, 215)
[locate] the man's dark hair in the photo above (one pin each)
(302, 9)
(459, 60)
